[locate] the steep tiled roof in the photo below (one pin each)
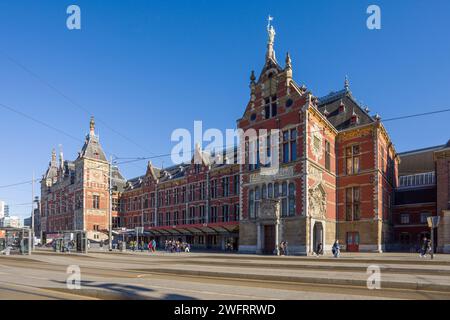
(118, 181)
(330, 106)
(173, 172)
(134, 183)
(92, 148)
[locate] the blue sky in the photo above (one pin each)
(149, 67)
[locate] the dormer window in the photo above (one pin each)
(341, 107)
(354, 119)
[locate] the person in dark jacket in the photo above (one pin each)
(319, 250)
(336, 249)
(423, 249)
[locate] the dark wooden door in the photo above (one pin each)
(269, 239)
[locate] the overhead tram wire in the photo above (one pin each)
(416, 115)
(27, 116)
(38, 121)
(136, 159)
(18, 184)
(130, 160)
(69, 99)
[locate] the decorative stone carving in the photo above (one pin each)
(281, 173)
(316, 142)
(317, 201)
(269, 209)
(315, 173)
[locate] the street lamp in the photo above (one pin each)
(433, 223)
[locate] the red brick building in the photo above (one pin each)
(337, 171)
(75, 194)
(195, 202)
(336, 178)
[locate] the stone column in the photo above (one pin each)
(443, 232)
(277, 237)
(259, 238)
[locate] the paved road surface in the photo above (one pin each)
(123, 276)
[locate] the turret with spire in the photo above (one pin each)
(92, 148)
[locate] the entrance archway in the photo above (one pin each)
(317, 235)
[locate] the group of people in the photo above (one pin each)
(335, 249)
(176, 246)
(142, 245)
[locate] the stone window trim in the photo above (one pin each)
(352, 156)
(289, 144)
(287, 193)
(353, 203)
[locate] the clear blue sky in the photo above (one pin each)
(149, 67)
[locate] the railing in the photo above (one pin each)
(416, 180)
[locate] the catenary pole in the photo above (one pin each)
(110, 203)
(32, 213)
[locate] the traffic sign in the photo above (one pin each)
(433, 222)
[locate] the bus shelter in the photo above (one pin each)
(15, 241)
(71, 241)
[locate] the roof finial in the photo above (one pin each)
(92, 126)
(346, 84)
(252, 77)
(271, 39)
(61, 158)
(53, 156)
(288, 61)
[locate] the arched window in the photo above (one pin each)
(276, 191)
(251, 204)
(291, 206)
(263, 192)
(270, 191)
(284, 199)
(257, 201)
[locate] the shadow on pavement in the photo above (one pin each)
(116, 291)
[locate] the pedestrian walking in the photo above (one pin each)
(424, 248)
(336, 249)
(150, 246)
(153, 245)
(319, 250)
